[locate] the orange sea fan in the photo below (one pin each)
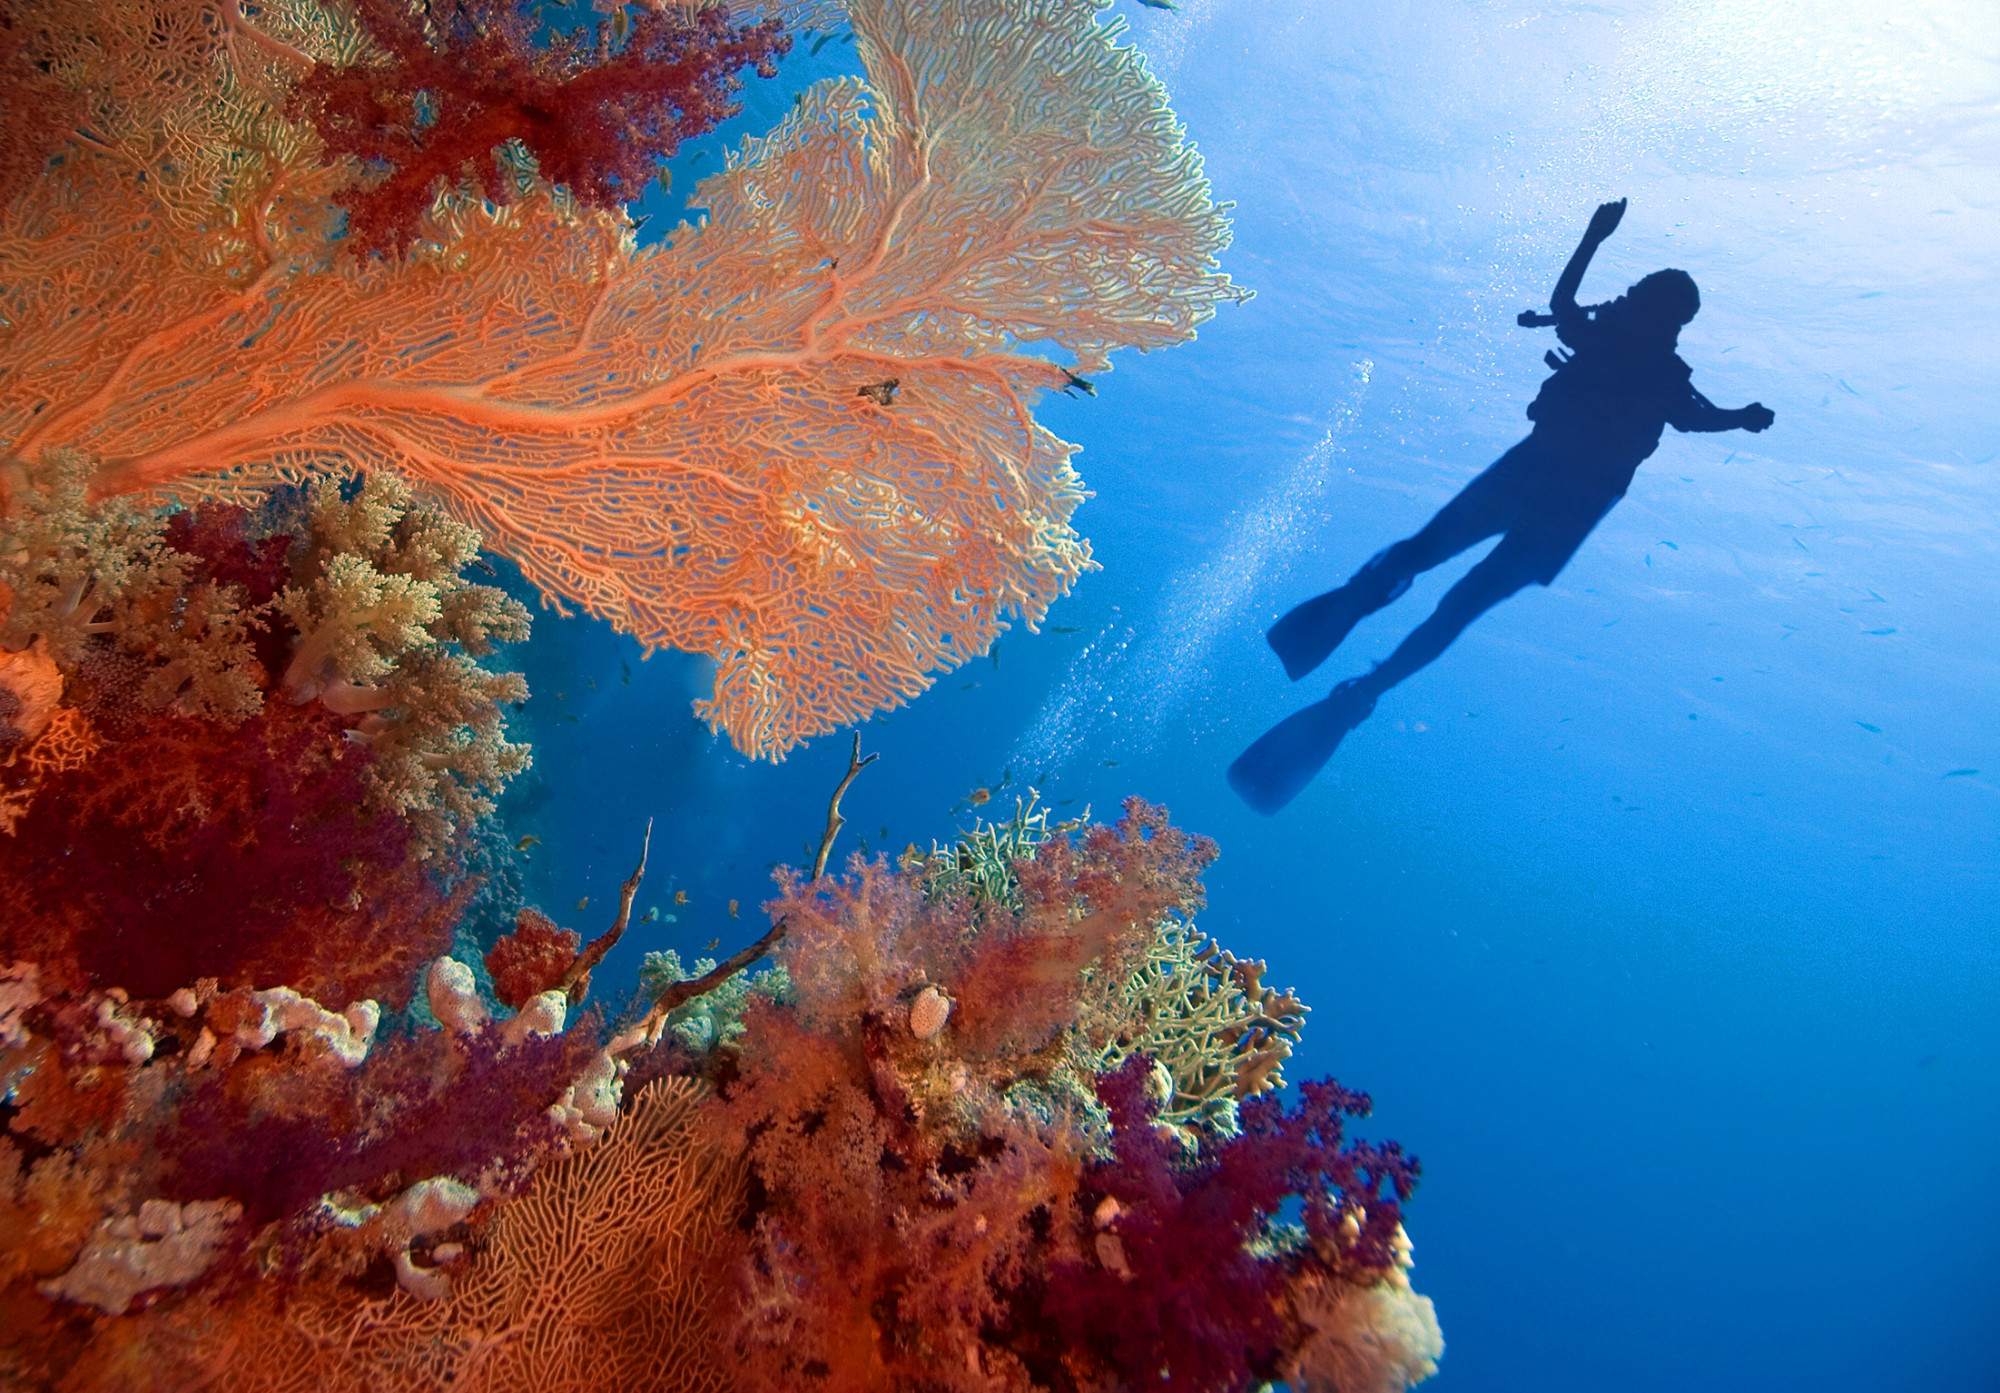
(796, 438)
(595, 1281)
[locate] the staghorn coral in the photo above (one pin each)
(674, 438)
(596, 108)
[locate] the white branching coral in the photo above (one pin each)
(163, 1245)
(388, 627)
(71, 570)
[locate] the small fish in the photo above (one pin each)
(821, 42)
(697, 158)
(979, 796)
(483, 564)
(583, 904)
(1064, 629)
(652, 913)
(572, 720)
(882, 393)
(1064, 803)
(680, 897)
(1110, 764)
(626, 669)
(1877, 633)
(996, 655)
(1961, 773)
(1072, 384)
(712, 945)
(593, 683)
(562, 696)
(885, 833)
(1669, 546)
(732, 909)
(1006, 776)
(1159, 4)
(1872, 730)
(530, 840)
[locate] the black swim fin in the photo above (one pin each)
(1275, 770)
(1306, 636)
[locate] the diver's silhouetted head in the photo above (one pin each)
(1667, 298)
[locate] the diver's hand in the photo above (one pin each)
(1605, 220)
(1757, 417)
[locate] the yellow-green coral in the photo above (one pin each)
(71, 570)
(388, 626)
(1206, 1018)
(1216, 1033)
(981, 862)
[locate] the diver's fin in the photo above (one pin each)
(1275, 770)
(1305, 638)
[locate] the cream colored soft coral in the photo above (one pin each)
(1381, 1337)
(72, 569)
(390, 629)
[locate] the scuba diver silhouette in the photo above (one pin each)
(1596, 419)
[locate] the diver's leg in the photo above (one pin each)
(1519, 561)
(1286, 758)
(1305, 637)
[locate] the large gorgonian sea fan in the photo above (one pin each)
(798, 438)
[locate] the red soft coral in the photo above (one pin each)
(532, 959)
(1093, 902)
(598, 110)
(189, 850)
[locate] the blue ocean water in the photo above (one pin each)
(1659, 916)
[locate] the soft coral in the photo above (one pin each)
(596, 111)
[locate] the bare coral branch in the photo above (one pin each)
(834, 821)
(576, 981)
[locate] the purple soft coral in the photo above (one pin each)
(1171, 1284)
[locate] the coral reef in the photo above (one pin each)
(676, 438)
(255, 752)
(1204, 1018)
(930, 1203)
(293, 297)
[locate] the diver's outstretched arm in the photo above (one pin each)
(1697, 413)
(1603, 223)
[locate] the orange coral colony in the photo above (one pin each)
(293, 1095)
(795, 437)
